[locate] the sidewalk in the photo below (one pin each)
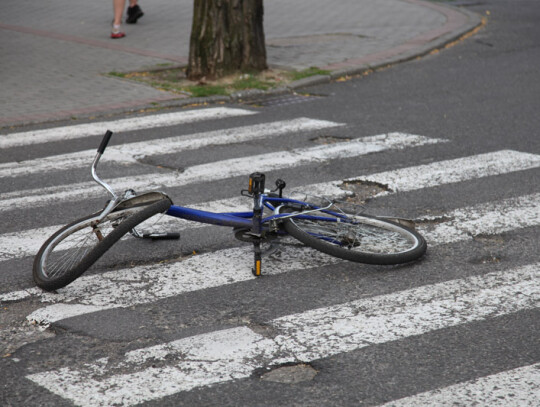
(54, 53)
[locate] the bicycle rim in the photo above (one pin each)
(358, 238)
(69, 247)
(76, 247)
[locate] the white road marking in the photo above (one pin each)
(144, 284)
(19, 295)
(210, 359)
(516, 387)
(231, 354)
(452, 171)
(489, 218)
(129, 124)
(28, 242)
(215, 170)
(130, 152)
(124, 288)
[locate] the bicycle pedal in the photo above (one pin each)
(162, 236)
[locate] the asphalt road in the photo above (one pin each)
(185, 323)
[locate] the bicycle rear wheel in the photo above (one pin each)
(73, 249)
(358, 238)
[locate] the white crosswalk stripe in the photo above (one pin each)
(129, 124)
(129, 153)
(223, 356)
(516, 387)
(452, 171)
(234, 353)
(489, 219)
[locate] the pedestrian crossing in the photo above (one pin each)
(232, 354)
(130, 152)
(213, 171)
(303, 337)
(26, 243)
(97, 292)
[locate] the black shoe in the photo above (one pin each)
(133, 14)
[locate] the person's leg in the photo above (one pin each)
(118, 8)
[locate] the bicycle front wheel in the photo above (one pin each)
(358, 238)
(76, 247)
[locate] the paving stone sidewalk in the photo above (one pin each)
(55, 52)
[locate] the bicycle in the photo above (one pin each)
(357, 237)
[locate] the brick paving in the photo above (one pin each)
(54, 53)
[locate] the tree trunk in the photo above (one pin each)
(226, 36)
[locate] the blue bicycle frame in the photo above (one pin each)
(240, 219)
(253, 222)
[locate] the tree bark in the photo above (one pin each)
(226, 36)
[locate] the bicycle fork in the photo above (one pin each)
(256, 188)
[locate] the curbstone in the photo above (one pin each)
(357, 70)
(309, 81)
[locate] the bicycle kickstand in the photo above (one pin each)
(256, 270)
(256, 188)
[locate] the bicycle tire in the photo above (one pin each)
(56, 269)
(358, 238)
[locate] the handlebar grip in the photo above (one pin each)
(104, 142)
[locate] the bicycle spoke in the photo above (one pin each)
(356, 237)
(67, 259)
(71, 251)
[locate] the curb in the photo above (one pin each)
(414, 48)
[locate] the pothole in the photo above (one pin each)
(291, 374)
(363, 190)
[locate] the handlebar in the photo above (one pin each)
(100, 151)
(104, 142)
